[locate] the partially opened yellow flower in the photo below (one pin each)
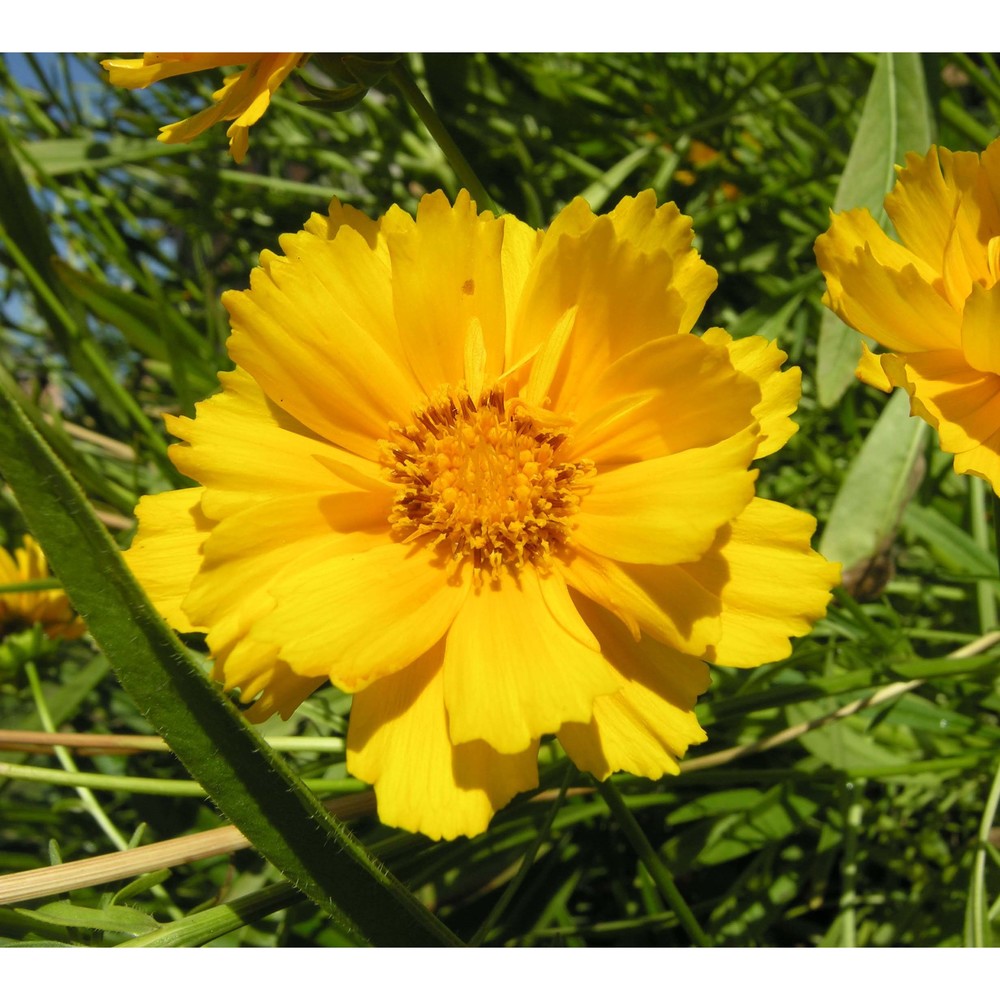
(19, 610)
(242, 99)
(485, 478)
(933, 299)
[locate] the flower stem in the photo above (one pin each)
(977, 922)
(415, 98)
(996, 527)
(654, 865)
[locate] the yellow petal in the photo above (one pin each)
(312, 334)
(519, 662)
(646, 725)
(870, 370)
(167, 551)
(668, 510)
(897, 306)
(761, 360)
(962, 403)
(398, 741)
(248, 550)
(340, 215)
(664, 397)
(649, 228)
(138, 73)
(232, 444)
(282, 692)
(939, 199)
(517, 256)
(363, 615)
(981, 329)
(244, 97)
(983, 461)
(773, 585)
(446, 271)
(666, 602)
(856, 230)
(623, 298)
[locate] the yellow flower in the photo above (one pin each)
(242, 99)
(19, 610)
(486, 479)
(932, 299)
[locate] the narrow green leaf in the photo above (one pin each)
(876, 489)
(142, 884)
(596, 194)
(63, 156)
(249, 782)
(120, 919)
(952, 547)
(137, 318)
(896, 119)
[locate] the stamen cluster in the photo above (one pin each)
(485, 478)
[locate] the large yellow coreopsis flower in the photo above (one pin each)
(485, 478)
(242, 98)
(933, 300)
(20, 610)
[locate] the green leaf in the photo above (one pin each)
(63, 156)
(597, 194)
(876, 489)
(119, 919)
(250, 783)
(896, 119)
(842, 745)
(952, 547)
(138, 318)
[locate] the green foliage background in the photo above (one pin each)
(114, 250)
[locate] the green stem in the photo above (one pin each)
(977, 922)
(27, 586)
(985, 599)
(200, 928)
(996, 527)
(526, 862)
(171, 787)
(654, 865)
(69, 765)
(415, 98)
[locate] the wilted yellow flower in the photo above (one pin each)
(485, 478)
(932, 300)
(19, 610)
(242, 99)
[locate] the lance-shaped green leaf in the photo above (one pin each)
(876, 489)
(896, 119)
(247, 780)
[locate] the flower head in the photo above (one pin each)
(931, 300)
(19, 610)
(242, 98)
(486, 479)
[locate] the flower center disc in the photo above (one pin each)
(485, 478)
